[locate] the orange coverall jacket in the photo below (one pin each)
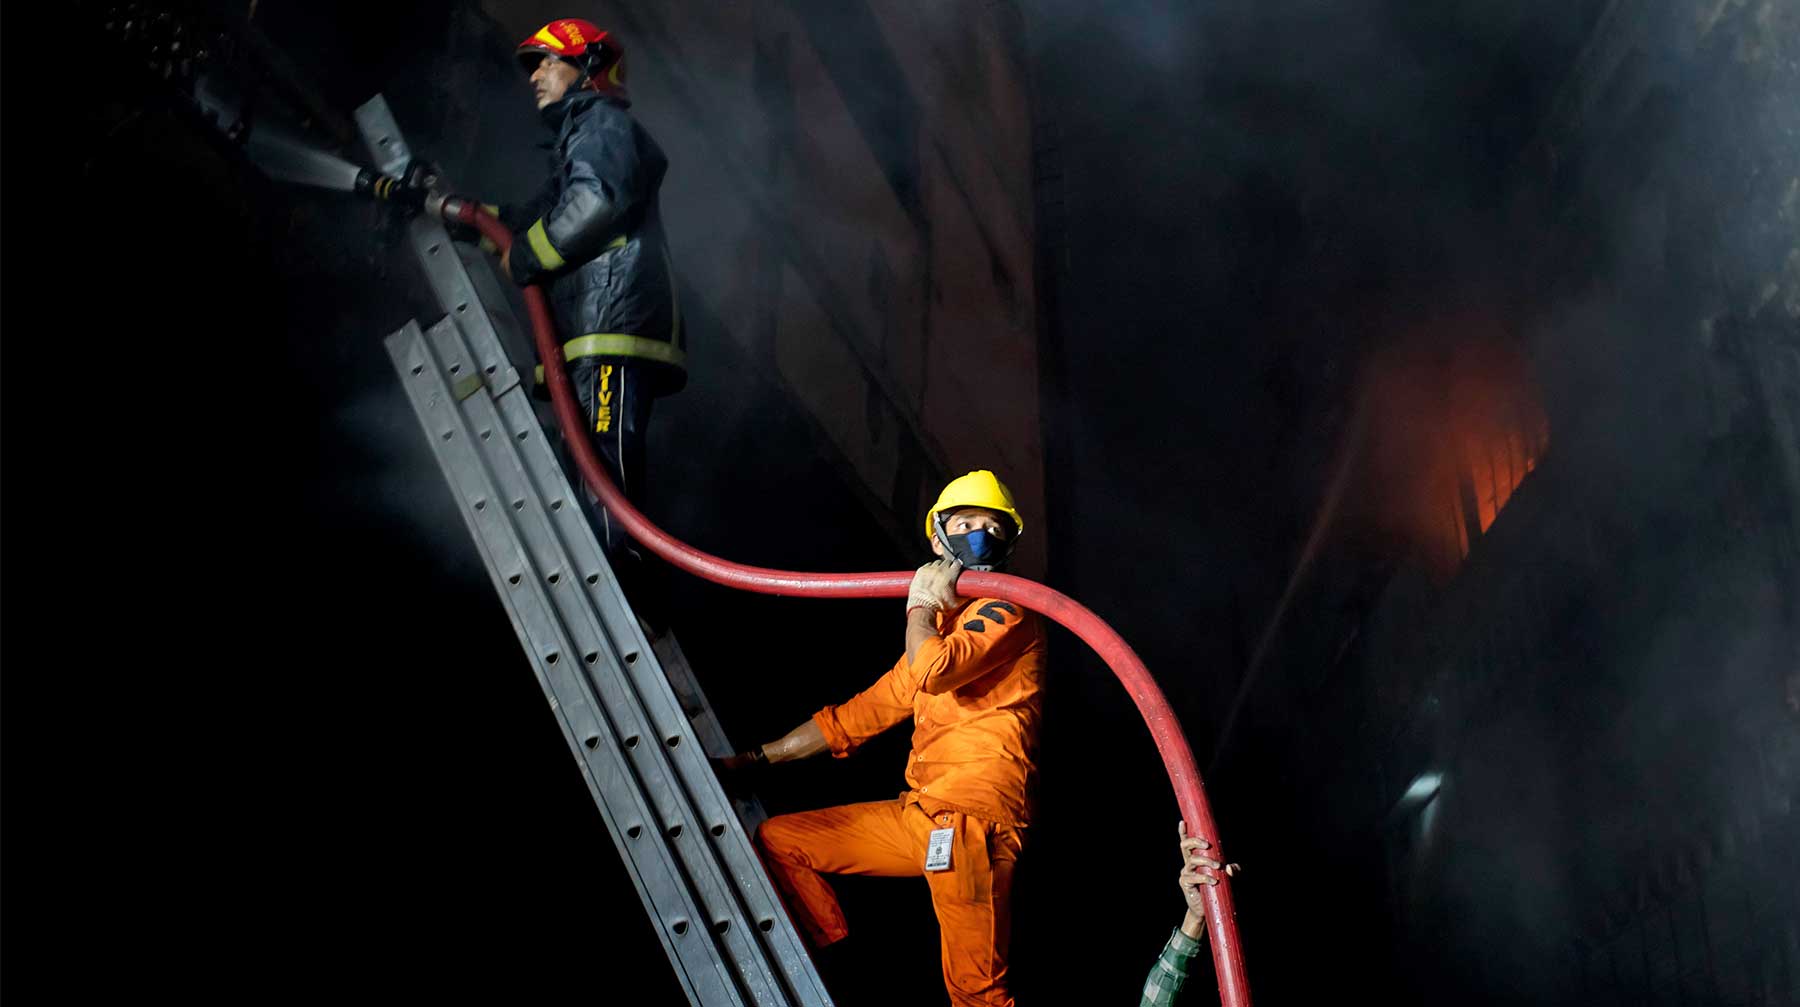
(974, 694)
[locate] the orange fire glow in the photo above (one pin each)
(1453, 435)
(1498, 463)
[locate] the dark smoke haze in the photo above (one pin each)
(1403, 235)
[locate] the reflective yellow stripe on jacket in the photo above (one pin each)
(617, 344)
(547, 253)
(540, 243)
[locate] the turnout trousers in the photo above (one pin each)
(614, 396)
(615, 400)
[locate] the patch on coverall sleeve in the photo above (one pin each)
(994, 609)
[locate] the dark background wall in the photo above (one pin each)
(857, 217)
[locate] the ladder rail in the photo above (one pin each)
(653, 872)
(646, 687)
(605, 682)
(642, 752)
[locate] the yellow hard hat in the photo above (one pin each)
(979, 488)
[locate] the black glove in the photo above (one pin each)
(738, 772)
(468, 232)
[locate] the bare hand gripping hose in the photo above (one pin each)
(1178, 759)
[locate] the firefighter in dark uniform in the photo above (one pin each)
(594, 236)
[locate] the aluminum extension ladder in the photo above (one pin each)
(635, 719)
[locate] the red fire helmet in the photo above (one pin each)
(585, 44)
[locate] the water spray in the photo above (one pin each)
(286, 159)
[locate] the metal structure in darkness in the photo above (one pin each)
(639, 731)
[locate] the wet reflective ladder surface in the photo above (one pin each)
(633, 715)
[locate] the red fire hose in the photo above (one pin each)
(1178, 759)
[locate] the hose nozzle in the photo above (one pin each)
(451, 209)
(389, 189)
(412, 190)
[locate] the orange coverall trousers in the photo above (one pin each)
(888, 839)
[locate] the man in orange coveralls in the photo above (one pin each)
(970, 680)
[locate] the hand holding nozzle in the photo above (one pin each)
(460, 214)
(389, 189)
(414, 189)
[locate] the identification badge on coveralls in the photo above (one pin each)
(937, 849)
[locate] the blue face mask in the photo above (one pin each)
(977, 550)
